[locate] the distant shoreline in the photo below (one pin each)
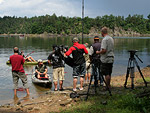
(45, 35)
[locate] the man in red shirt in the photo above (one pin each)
(17, 62)
(79, 69)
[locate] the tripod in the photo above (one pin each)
(95, 85)
(131, 67)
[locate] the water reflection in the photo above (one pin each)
(17, 100)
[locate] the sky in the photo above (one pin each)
(73, 8)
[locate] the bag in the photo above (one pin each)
(69, 61)
(74, 95)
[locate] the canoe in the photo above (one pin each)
(44, 83)
(31, 63)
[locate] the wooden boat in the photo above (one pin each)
(42, 82)
(30, 63)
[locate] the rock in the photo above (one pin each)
(64, 103)
(18, 103)
(30, 108)
(37, 108)
(104, 102)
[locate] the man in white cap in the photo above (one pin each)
(41, 69)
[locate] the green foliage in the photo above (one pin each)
(126, 102)
(67, 25)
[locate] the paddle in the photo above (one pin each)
(29, 54)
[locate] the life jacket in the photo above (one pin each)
(41, 69)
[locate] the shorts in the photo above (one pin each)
(36, 74)
(106, 68)
(22, 76)
(79, 70)
(58, 74)
(88, 68)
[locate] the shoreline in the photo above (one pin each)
(46, 35)
(57, 101)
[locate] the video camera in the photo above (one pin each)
(132, 53)
(60, 49)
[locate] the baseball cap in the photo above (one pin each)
(96, 37)
(40, 60)
(75, 39)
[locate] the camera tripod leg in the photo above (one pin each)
(138, 67)
(89, 88)
(132, 76)
(106, 84)
(127, 74)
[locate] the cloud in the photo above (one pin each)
(71, 8)
(1, 1)
(39, 7)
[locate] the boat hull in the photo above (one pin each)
(30, 63)
(43, 83)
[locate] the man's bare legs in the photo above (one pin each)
(108, 79)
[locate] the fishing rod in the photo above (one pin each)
(29, 54)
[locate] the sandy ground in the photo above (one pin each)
(60, 100)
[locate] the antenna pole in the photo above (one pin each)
(82, 19)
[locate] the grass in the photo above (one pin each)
(122, 101)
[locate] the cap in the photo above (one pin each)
(96, 37)
(40, 60)
(75, 39)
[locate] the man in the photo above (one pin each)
(41, 70)
(17, 62)
(95, 60)
(107, 55)
(55, 58)
(88, 65)
(77, 51)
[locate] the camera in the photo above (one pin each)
(60, 49)
(132, 53)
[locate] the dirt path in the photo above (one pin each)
(60, 100)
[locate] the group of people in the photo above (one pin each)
(99, 58)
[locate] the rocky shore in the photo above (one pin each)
(56, 101)
(117, 32)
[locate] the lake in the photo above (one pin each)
(43, 47)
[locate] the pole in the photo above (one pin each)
(82, 19)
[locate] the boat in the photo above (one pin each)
(21, 36)
(46, 82)
(30, 63)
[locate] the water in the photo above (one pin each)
(42, 48)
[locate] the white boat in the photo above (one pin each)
(46, 82)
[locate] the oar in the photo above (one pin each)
(29, 54)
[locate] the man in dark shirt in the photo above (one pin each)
(77, 51)
(17, 62)
(95, 60)
(55, 58)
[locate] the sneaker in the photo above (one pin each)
(81, 89)
(74, 89)
(101, 84)
(55, 89)
(61, 89)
